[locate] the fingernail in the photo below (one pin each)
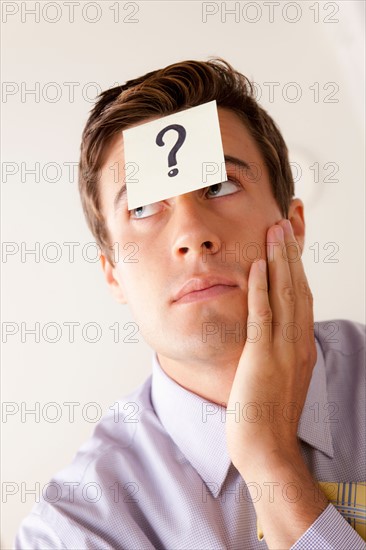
(287, 227)
(279, 232)
(262, 265)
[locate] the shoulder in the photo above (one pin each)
(342, 343)
(101, 478)
(341, 336)
(117, 430)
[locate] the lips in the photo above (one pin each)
(201, 283)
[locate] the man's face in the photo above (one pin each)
(192, 235)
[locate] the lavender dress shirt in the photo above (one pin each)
(156, 472)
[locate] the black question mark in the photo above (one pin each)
(172, 158)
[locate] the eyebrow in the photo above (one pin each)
(121, 195)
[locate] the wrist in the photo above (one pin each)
(272, 459)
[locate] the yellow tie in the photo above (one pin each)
(349, 499)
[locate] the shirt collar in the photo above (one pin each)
(313, 425)
(197, 426)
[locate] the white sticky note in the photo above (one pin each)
(192, 147)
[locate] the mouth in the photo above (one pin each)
(209, 293)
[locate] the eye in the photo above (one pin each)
(143, 211)
(217, 187)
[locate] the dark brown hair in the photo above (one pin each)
(167, 91)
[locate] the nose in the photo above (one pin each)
(194, 228)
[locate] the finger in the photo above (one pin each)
(281, 294)
(259, 324)
(304, 316)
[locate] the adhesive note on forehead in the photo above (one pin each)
(172, 155)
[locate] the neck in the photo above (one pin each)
(211, 381)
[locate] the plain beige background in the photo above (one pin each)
(46, 129)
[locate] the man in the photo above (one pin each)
(250, 414)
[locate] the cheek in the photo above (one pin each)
(138, 283)
(252, 239)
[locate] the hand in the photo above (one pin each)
(270, 388)
(275, 368)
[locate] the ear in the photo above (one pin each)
(112, 281)
(296, 217)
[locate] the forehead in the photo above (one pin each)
(236, 141)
